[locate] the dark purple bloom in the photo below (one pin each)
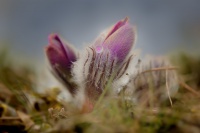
(61, 57)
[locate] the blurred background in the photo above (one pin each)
(164, 26)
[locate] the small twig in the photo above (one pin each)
(38, 114)
(184, 85)
(160, 68)
(10, 118)
(167, 87)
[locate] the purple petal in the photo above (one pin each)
(58, 53)
(120, 42)
(117, 26)
(56, 56)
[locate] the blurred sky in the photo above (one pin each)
(26, 24)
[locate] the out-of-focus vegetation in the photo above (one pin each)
(22, 109)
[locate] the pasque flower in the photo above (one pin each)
(107, 58)
(61, 56)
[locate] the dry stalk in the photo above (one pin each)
(186, 86)
(167, 87)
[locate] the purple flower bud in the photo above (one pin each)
(108, 58)
(61, 56)
(58, 53)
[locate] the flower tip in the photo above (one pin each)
(123, 22)
(53, 37)
(118, 25)
(126, 19)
